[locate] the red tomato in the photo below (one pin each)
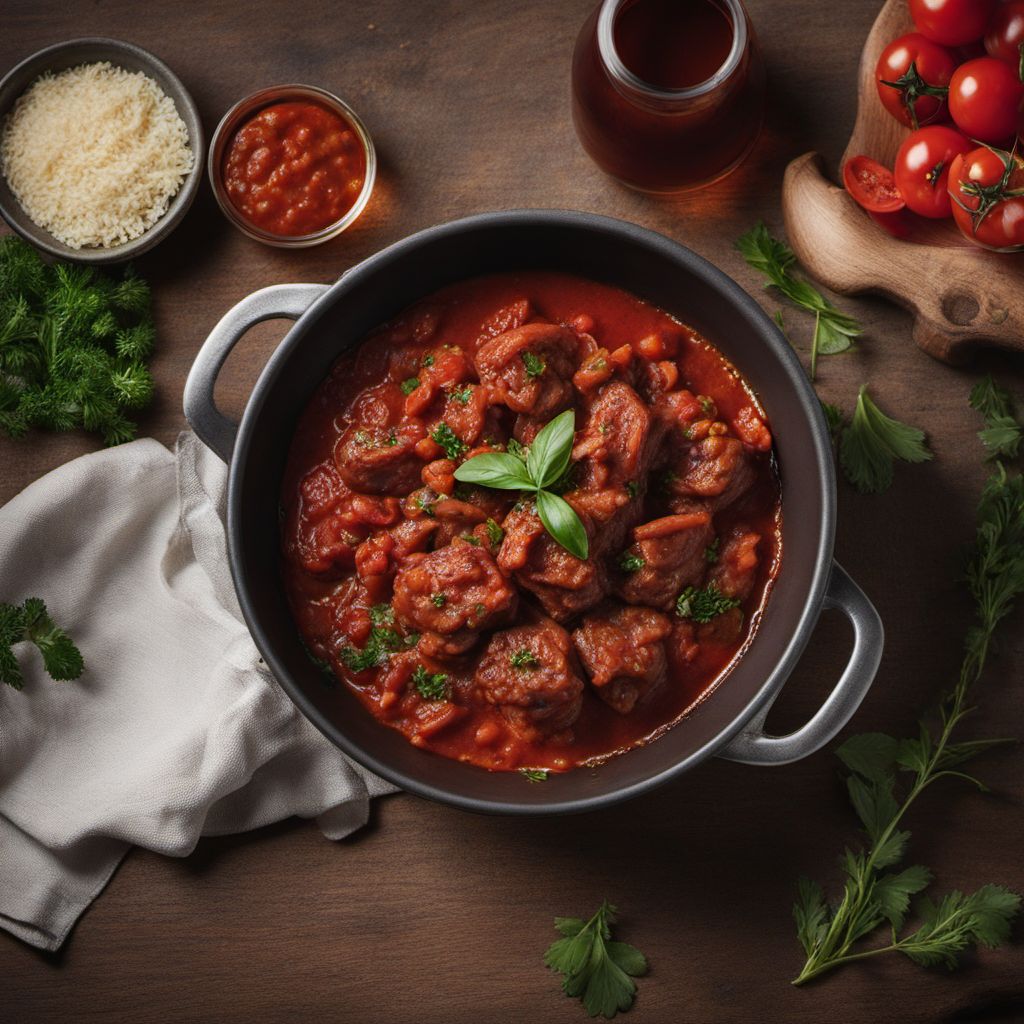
(987, 189)
(984, 99)
(912, 76)
(1005, 36)
(922, 168)
(951, 22)
(871, 184)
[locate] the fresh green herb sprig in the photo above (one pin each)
(30, 622)
(74, 343)
(545, 464)
(595, 969)
(1002, 434)
(873, 894)
(834, 330)
(453, 445)
(382, 641)
(871, 443)
(523, 658)
(534, 774)
(533, 364)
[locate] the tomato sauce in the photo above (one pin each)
(347, 556)
(294, 168)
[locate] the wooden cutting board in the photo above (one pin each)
(960, 296)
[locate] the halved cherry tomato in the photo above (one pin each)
(987, 189)
(951, 22)
(1004, 39)
(984, 99)
(872, 185)
(922, 168)
(912, 76)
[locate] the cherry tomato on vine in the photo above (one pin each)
(987, 189)
(872, 185)
(912, 76)
(984, 99)
(951, 22)
(1005, 36)
(922, 168)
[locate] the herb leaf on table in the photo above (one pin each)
(73, 346)
(32, 623)
(874, 895)
(1002, 434)
(834, 330)
(595, 969)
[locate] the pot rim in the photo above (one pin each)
(710, 275)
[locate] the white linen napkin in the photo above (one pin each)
(175, 729)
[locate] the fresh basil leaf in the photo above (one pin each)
(495, 469)
(551, 449)
(562, 522)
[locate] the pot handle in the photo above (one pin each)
(213, 428)
(753, 746)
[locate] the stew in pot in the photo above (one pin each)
(448, 608)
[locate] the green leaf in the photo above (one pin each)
(562, 522)
(871, 442)
(627, 958)
(549, 454)
(569, 926)
(873, 802)
(871, 754)
(810, 913)
(12, 631)
(893, 892)
(495, 469)
(705, 604)
(890, 851)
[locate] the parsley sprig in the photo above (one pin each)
(74, 342)
(871, 442)
(834, 330)
(545, 465)
(705, 604)
(1002, 434)
(595, 969)
(873, 894)
(30, 622)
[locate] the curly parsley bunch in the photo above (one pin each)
(74, 342)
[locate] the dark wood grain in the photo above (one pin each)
(432, 914)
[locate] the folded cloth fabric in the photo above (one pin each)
(175, 729)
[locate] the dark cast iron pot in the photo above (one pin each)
(329, 319)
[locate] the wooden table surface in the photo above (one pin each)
(431, 914)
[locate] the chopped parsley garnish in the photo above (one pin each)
(382, 615)
(425, 505)
(454, 447)
(534, 774)
(632, 488)
(495, 533)
(430, 685)
(705, 604)
(392, 439)
(438, 600)
(470, 539)
(524, 658)
(427, 361)
(462, 395)
(409, 385)
(520, 451)
(706, 405)
(631, 563)
(535, 366)
(711, 552)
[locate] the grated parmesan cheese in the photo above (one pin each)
(95, 154)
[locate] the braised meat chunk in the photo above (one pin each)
(666, 555)
(735, 570)
(376, 454)
(453, 593)
(717, 468)
(530, 674)
(617, 441)
(623, 653)
(564, 584)
(530, 368)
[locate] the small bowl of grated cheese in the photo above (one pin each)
(101, 150)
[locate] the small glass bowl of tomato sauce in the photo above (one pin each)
(292, 166)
